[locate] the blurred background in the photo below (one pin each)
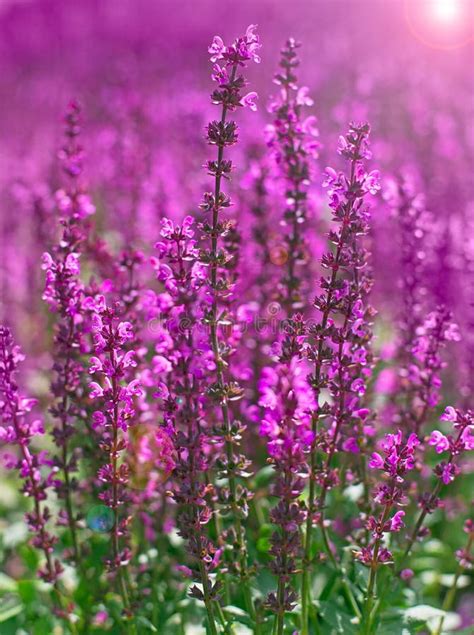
(140, 69)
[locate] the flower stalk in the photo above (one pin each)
(345, 368)
(223, 134)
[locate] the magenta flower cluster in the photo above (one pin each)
(233, 436)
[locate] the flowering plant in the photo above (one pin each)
(227, 437)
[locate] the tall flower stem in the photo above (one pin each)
(428, 505)
(64, 293)
(370, 595)
(291, 139)
(308, 540)
(213, 324)
(113, 363)
(63, 409)
(220, 366)
(398, 460)
(113, 458)
(183, 415)
(208, 598)
(17, 429)
(340, 296)
(223, 133)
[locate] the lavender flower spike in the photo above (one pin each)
(64, 293)
(113, 366)
(339, 345)
(293, 139)
(18, 429)
(222, 134)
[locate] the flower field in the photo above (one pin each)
(236, 317)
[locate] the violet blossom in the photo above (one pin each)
(395, 462)
(35, 468)
(339, 343)
(183, 276)
(293, 139)
(113, 395)
(64, 294)
(216, 255)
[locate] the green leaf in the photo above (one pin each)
(7, 583)
(341, 621)
(264, 476)
(27, 591)
(396, 626)
(145, 622)
(8, 612)
(238, 614)
(328, 587)
(263, 545)
(29, 556)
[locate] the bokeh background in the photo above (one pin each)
(141, 71)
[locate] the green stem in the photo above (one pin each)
(344, 581)
(306, 573)
(451, 594)
(370, 597)
(280, 616)
(229, 444)
(65, 469)
(206, 585)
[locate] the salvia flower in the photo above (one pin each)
(34, 468)
(114, 394)
(339, 342)
(423, 374)
(183, 403)
(64, 293)
(218, 255)
(289, 440)
(293, 139)
(413, 220)
(455, 446)
(462, 441)
(396, 460)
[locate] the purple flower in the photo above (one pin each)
(17, 429)
(396, 522)
(283, 397)
(242, 50)
(292, 140)
(216, 49)
(302, 97)
(447, 472)
(376, 462)
(65, 293)
(118, 393)
(438, 440)
(406, 574)
(95, 365)
(449, 414)
(95, 390)
(424, 376)
(249, 101)
(351, 445)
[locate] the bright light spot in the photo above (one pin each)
(446, 10)
(441, 24)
